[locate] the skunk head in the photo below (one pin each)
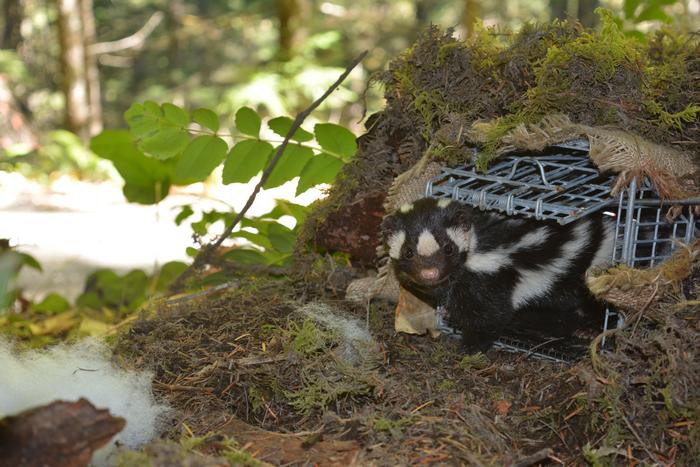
(428, 240)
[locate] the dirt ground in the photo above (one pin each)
(260, 361)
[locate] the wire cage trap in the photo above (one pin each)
(562, 185)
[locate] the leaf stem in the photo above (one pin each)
(207, 253)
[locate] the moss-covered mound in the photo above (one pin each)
(441, 87)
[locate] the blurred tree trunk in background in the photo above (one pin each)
(70, 31)
(470, 14)
(586, 12)
(557, 9)
(92, 73)
(12, 14)
(174, 13)
(423, 9)
(583, 10)
(76, 30)
(294, 18)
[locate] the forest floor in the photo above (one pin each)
(261, 374)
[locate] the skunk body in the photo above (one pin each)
(490, 271)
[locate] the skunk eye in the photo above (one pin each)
(408, 253)
(448, 248)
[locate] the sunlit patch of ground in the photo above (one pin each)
(74, 227)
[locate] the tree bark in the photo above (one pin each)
(92, 73)
(75, 88)
(294, 17)
(11, 34)
(557, 9)
(471, 12)
(586, 12)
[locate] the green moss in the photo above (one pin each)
(476, 361)
(446, 385)
(308, 339)
(385, 424)
(132, 459)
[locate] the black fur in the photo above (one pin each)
(480, 302)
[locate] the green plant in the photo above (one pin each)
(11, 262)
(167, 145)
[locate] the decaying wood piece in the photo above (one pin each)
(60, 434)
(354, 228)
(284, 449)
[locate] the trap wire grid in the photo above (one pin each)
(512, 345)
(562, 186)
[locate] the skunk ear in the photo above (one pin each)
(460, 214)
(390, 224)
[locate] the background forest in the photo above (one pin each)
(132, 134)
(74, 75)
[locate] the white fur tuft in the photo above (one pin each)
(68, 372)
(444, 202)
(408, 207)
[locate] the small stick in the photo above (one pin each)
(539, 456)
(205, 254)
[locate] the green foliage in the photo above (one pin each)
(201, 157)
(158, 152)
(52, 304)
(146, 180)
(308, 339)
(245, 160)
(11, 262)
(105, 288)
(639, 11)
(58, 151)
(248, 122)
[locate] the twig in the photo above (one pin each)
(205, 254)
(639, 439)
(135, 40)
(539, 456)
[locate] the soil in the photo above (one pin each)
(253, 355)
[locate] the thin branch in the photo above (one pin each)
(135, 40)
(205, 254)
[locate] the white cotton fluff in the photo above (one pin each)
(68, 372)
(356, 341)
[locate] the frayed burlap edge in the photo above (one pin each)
(634, 289)
(672, 172)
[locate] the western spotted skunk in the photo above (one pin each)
(487, 269)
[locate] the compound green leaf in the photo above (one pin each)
(281, 238)
(141, 121)
(206, 118)
(248, 121)
(293, 159)
(245, 160)
(336, 139)
(165, 143)
(147, 180)
(202, 155)
(282, 125)
(175, 115)
(322, 168)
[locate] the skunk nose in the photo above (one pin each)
(429, 274)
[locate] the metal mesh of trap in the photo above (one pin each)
(643, 234)
(563, 185)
